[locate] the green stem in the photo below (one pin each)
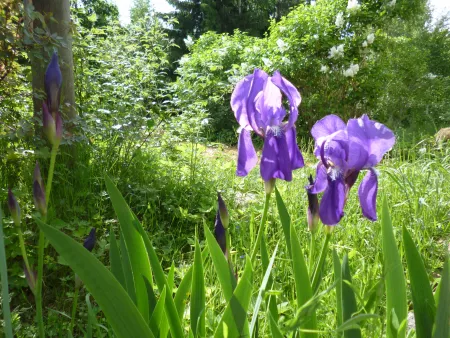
(8, 332)
(312, 251)
(25, 259)
(41, 246)
(319, 268)
(262, 228)
(74, 308)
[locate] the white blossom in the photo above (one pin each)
(204, 122)
(431, 76)
(353, 5)
(324, 69)
(364, 44)
(422, 150)
(282, 46)
(336, 52)
(339, 20)
(316, 36)
(188, 41)
(351, 71)
(370, 38)
(391, 3)
(286, 60)
(267, 62)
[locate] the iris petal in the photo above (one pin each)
(368, 195)
(294, 152)
(325, 127)
(246, 154)
(291, 93)
(275, 161)
(321, 182)
(239, 99)
(368, 142)
(331, 208)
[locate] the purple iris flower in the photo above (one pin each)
(343, 151)
(257, 105)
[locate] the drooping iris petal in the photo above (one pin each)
(239, 99)
(368, 195)
(52, 83)
(331, 208)
(350, 178)
(294, 152)
(291, 93)
(275, 161)
(246, 154)
(368, 142)
(321, 182)
(325, 127)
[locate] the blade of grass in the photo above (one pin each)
(285, 220)
(5, 289)
(422, 295)
(442, 327)
(151, 296)
(302, 283)
(198, 295)
(338, 280)
(271, 301)
(115, 260)
(157, 315)
(135, 246)
(127, 271)
(120, 311)
(394, 276)
(348, 300)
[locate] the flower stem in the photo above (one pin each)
(74, 308)
(25, 259)
(41, 245)
(312, 251)
(317, 278)
(262, 228)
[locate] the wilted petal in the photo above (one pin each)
(89, 242)
(368, 142)
(52, 83)
(275, 161)
(368, 195)
(246, 154)
(291, 93)
(331, 208)
(294, 152)
(219, 233)
(321, 182)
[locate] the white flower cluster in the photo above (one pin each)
(353, 5)
(391, 3)
(339, 20)
(369, 40)
(267, 62)
(282, 46)
(324, 69)
(336, 52)
(351, 71)
(188, 41)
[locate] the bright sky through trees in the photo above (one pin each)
(125, 5)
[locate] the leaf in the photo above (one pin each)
(422, 295)
(140, 264)
(302, 283)
(157, 315)
(120, 311)
(285, 220)
(338, 280)
(271, 301)
(442, 327)
(274, 329)
(226, 277)
(352, 323)
(198, 295)
(234, 320)
(151, 296)
(348, 300)
(393, 273)
(115, 260)
(262, 289)
(4, 277)
(127, 271)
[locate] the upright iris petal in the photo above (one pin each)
(343, 151)
(257, 105)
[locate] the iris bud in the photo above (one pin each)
(89, 242)
(219, 233)
(224, 216)
(269, 186)
(52, 84)
(39, 198)
(49, 124)
(14, 208)
(313, 207)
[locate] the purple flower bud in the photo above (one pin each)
(14, 208)
(52, 83)
(49, 124)
(37, 175)
(39, 198)
(31, 277)
(219, 233)
(224, 216)
(313, 207)
(89, 242)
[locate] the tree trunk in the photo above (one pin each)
(60, 10)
